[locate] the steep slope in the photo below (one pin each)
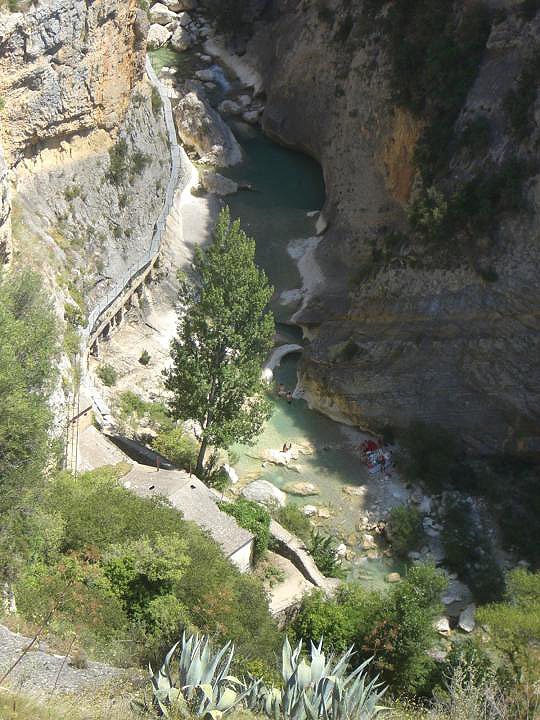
(430, 304)
(84, 141)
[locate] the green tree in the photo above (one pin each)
(28, 349)
(224, 334)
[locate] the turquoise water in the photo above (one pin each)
(286, 186)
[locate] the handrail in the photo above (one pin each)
(178, 180)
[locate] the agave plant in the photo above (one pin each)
(199, 683)
(321, 690)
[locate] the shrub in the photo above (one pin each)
(395, 627)
(476, 136)
(177, 446)
(123, 535)
(294, 520)
(72, 191)
(139, 161)
(322, 548)
(514, 623)
(145, 357)
(73, 315)
(118, 162)
(107, 374)
(157, 102)
(406, 530)
(253, 517)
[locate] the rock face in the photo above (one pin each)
(213, 182)
(425, 338)
(201, 127)
(81, 142)
(67, 68)
(5, 212)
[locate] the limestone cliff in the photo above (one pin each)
(85, 145)
(407, 327)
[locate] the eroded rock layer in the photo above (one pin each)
(405, 328)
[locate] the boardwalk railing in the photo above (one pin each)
(179, 177)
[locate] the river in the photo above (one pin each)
(278, 211)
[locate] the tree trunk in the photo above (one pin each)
(200, 460)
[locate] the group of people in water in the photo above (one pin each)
(282, 392)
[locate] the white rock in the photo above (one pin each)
(262, 491)
(267, 375)
(301, 488)
(231, 474)
(309, 510)
(181, 39)
(341, 550)
(251, 117)
(179, 5)
(466, 618)
(324, 513)
(215, 183)
(369, 542)
(205, 58)
(393, 577)
(442, 626)
(157, 36)
(321, 225)
(229, 107)
(210, 85)
(425, 505)
(161, 14)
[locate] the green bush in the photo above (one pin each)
(322, 549)
(145, 357)
(139, 161)
(395, 628)
(118, 162)
(107, 374)
(74, 316)
(72, 191)
(253, 517)
(157, 102)
(165, 572)
(405, 529)
(177, 446)
(293, 519)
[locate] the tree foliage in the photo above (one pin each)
(28, 349)
(224, 334)
(395, 627)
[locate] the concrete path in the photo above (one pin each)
(293, 588)
(95, 451)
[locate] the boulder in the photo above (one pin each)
(229, 107)
(158, 35)
(215, 183)
(393, 577)
(309, 510)
(354, 490)
(369, 542)
(161, 14)
(210, 86)
(181, 39)
(442, 626)
(251, 117)
(466, 618)
(263, 492)
(341, 550)
(201, 127)
(183, 19)
(244, 100)
(205, 58)
(301, 488)
(206, 75)
(180, 5)
(324, 513)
